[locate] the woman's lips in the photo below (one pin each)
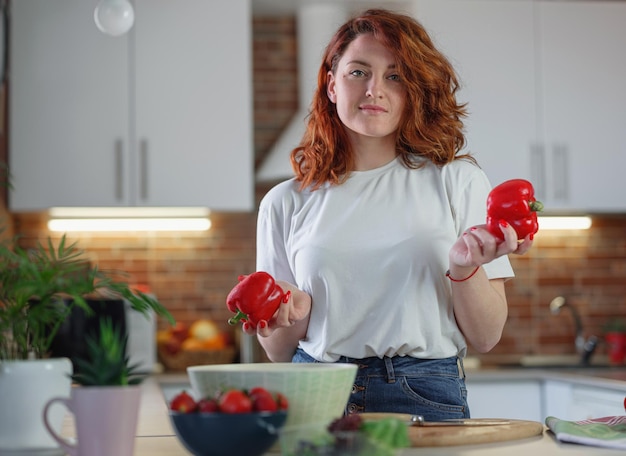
(372, 108)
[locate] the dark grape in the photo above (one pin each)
(347, 440)
(346, 423)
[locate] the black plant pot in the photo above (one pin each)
(70, 340)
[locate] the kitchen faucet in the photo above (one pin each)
(584, 347)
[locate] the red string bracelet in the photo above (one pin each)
(462, 280)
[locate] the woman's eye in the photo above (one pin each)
(357, 73)
(394, 77)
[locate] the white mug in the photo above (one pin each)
(105, 419)
(25, 388)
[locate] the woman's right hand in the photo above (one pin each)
(294, 312)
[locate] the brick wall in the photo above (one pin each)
(275, 81)
(587, 267)
(192, 273)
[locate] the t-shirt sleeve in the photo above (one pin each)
(469, 203)
(271, 241)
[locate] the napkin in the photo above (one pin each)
(607, 432)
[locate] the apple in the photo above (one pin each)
(180, 331)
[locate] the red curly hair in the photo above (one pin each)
(431, 126)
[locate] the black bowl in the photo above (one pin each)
(223, 434)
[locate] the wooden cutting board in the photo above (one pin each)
(463, 435)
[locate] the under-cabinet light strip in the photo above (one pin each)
(65, 219)
(128, 212)
(564, 223)
(129, 224)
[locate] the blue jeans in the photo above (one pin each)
(433, 388)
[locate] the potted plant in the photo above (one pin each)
(38, 289)
(105, 396)
(615, 338)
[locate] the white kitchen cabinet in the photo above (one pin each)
(583, 69)
(535, 397)
(489, 43)
(570, 401)
(543, 81)
(514, 399)
(161, 116)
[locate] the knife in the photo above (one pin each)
(418, 420)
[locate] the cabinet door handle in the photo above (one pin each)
(119, 169)
(537, 168)
(560, 172)
(143, 169)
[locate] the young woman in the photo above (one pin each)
(381, 235)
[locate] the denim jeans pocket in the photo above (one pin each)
(445, 397)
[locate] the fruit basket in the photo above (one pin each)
(202, 342)
(185, 358)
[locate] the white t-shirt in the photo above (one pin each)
(372, 253)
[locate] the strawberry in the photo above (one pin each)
(208, 405)
(262, 400)
(183, 403)
(281, 401)
(235, 401)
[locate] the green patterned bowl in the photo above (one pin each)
(317, 392)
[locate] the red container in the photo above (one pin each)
(616, 346)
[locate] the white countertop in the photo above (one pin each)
(155, 436)
(614, 378)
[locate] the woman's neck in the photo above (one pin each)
(372, 153)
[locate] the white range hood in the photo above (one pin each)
(316, 24)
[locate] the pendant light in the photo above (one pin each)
(114, 17)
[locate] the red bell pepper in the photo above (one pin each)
(256, 297)
(514, 202)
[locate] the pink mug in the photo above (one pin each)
(105, 420)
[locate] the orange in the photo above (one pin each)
(163, 336)
(192, 344)
(214, 343)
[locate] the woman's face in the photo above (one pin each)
(366, 88)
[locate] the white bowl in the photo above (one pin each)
(317, 392)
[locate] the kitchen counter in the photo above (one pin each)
(155, 436)
(591, 376)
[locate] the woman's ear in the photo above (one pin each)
(330, 88)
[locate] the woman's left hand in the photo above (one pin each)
(297, 308)
(478, 246)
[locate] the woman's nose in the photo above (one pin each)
(374, 89)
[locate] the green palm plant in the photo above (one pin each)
(39, 287)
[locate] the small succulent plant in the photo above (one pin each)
(615, 325)
(106, 363)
